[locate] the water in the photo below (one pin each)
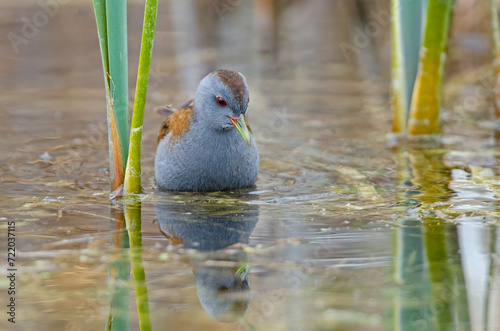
(341, 232)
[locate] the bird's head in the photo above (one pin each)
(222, 100)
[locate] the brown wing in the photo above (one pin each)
(164, 110)
(177, 123)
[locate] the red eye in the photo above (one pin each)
(221, 102)
(248, 101)
(222, 289)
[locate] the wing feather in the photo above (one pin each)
(177, 122)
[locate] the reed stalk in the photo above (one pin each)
(117, 164)
(410, 273)
(448, 295)
(406, 25)
(119, 270)
(111, 19)
(100, 16)
(116, 20)
(133, 170)
(426, 98)
(495, 27)
(133, 218)
(439, 272)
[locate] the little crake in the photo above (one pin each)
(207, 145)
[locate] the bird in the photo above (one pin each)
(211, 227)
(207, 145)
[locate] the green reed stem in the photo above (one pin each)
(495, 24)
(439, 272)
(495, 27)
(406, 25)
(133, 171)
(116, 19)
(410, 273)
(119, 270)
(133, 218)
(115, 151)
(426, 98)
(100, 16)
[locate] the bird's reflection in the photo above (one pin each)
(211, 226)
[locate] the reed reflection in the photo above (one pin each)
(428, 267)
(216, 228)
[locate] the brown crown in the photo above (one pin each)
(234, 80)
